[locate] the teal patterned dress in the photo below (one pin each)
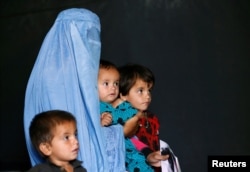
(135, 160)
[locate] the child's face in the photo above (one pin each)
(64, 145)
(108, 84)
(139, 95)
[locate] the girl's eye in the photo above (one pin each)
(105, 84)
(140, 91)
(116, 83)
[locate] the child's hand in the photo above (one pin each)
(155, 158)
(106, 119)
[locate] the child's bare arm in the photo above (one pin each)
(131, 125)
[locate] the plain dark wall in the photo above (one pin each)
(198, 50)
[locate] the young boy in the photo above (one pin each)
(54, 135)
(135, 86)
(114, 111)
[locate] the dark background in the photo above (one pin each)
(198, 50)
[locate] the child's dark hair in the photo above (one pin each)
(42, 125)
(107, 64)
(130, 73)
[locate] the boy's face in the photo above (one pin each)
(108, 84)
(139, 95)
(64, 145)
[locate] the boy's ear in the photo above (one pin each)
(45, 148)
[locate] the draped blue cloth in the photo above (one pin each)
(64, 77)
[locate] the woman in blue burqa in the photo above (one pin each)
(64, 77)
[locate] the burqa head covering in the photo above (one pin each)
(65, 77)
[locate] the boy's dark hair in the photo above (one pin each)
(107, 64)
(42, 125)
(130, 73)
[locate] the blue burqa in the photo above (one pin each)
(65, 77)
